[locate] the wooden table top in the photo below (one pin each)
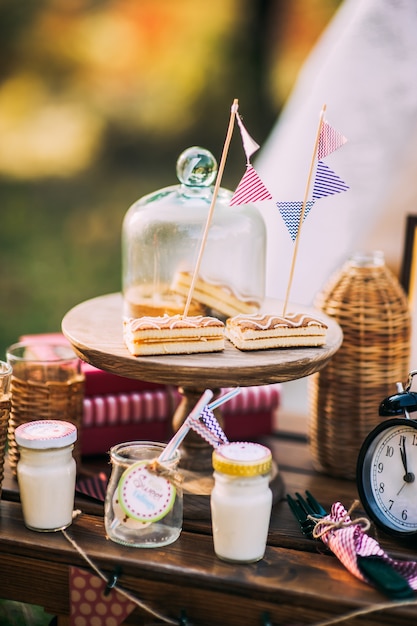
(94, 328)
(298, 582)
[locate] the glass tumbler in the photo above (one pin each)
(144, 504)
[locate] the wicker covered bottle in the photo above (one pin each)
(372, 309)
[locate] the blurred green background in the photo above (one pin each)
(97, 100)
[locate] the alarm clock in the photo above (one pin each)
(386, 472)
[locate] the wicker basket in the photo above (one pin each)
(40, 401)
(372, 309)
(5, 405)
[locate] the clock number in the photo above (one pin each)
(380, 468)
(414, 440)
(402, 441)
(404, 514)
(391, 502)
(381, 487)
(390, 451)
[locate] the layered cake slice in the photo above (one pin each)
(265, 331)
(221, 298)
(173, 334)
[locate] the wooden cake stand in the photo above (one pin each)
(95, 331)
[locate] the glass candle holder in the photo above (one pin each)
(144, 502)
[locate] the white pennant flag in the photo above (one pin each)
(249, 145)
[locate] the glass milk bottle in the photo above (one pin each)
(46, 473)
(241, 501)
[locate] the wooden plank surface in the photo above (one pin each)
(293, 586)
(297, 582)
(94, 328)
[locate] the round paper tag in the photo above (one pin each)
(143, 495)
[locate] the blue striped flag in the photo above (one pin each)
(291, 214)
(327, 182)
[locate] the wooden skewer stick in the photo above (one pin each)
(297, 239)
(233, 112)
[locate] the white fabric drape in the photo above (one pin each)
(364, 68)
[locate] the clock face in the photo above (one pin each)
(387, 475)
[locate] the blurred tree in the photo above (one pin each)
(97, 100)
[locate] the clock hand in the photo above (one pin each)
(403, 485)
(408, 476)
(403, 455)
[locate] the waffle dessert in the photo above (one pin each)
(217, 297)
(173, 334)
(266, 331)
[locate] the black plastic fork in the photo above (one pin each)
(304, 509)
(377, 571)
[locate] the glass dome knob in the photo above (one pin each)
(196, 167)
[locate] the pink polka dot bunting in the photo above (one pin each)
(89, 605)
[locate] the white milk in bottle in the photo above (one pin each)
(241, 501)
(46, 473)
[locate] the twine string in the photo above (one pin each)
(327, 524)
(120, 590)
(161, 469)
(374, 608)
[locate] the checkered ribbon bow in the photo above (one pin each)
(348, 540)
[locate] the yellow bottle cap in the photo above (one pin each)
(242, 458)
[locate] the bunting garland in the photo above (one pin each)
(326, 182)
(251, 188)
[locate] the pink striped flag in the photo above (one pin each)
(329, 140)
(250, 189)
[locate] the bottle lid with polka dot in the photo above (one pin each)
(43, 434)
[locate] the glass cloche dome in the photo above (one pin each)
(161, 240)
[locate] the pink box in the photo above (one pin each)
(147, 414)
